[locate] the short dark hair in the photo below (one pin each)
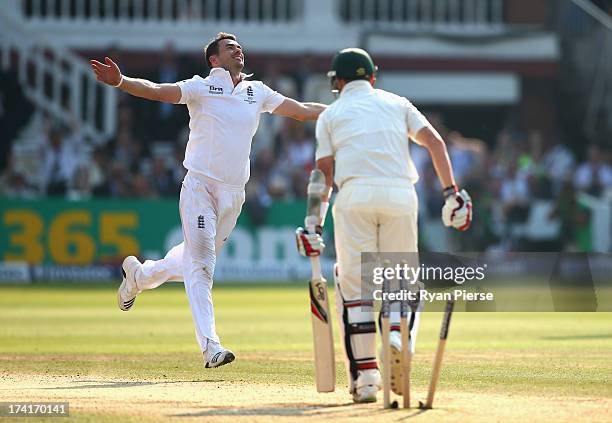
(212, 48)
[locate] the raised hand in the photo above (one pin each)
(107, 72)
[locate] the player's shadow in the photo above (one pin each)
(415, 413)
(303, 409)
(570, 337)
(287, 409)
(119, 384)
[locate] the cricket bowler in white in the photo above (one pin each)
(224, 110)
(364, 135)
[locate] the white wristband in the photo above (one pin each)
(324, 207)
(120, 81)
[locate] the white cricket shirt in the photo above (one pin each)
(223, 120)
(366, 130)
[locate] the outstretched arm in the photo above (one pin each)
(430, 139)
(457, 210)
(299, 111)
(109, 73)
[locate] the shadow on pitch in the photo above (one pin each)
(287, 409)
(311, 410)
(564, 338)
(415, 412)
(109, 384)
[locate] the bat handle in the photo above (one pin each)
(314, 261)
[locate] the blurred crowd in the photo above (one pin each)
(528, 190)
(521, 182)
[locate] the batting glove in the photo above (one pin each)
(457, 210)
(308, 245)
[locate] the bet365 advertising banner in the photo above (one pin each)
(58, 237)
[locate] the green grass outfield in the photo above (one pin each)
(71, 343)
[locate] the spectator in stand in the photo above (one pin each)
(257, 199)
(574, 233)
(18, 187)
(304, 73)
(13, 182)
(515, 196)
(178, 171)
(495, 216)
(59, 162)
(278, 187)
(505, 151)
(132, 128)
(15, 111)
(299, 182)
(119, 181)
(264, 165)
(98, 173)
(277, 81)
(468, 156)
(300, 151)
(531, 164)
(162, 180)
(428, 190)
(282, 139)
(269, 124)
(292, 149)
(126, 150)
(143, 188)
(595, 175)
(125, 116)
(558, 162)
(170, 119)
(80, 186)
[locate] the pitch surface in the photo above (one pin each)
(71, 343)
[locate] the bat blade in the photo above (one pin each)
(325, 365)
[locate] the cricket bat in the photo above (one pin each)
(325, 365)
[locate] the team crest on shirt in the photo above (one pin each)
(250, 95)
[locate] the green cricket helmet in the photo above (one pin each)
(351, 64)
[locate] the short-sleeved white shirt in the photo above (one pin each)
(223, 120)
(366, 131)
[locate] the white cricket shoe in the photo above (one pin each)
(395, 342)
(367, 385)
(126, 294)
(216, 355)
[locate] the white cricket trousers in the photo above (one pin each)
(371, 215)
(209, 210)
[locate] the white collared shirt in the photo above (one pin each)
(366, 131)
(223, 120)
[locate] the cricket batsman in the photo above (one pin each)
(363, 146)
(224, 110)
